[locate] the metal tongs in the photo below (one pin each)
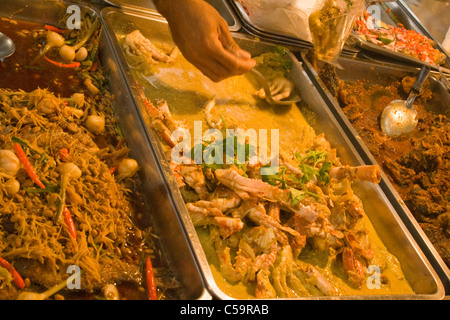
(271, 90)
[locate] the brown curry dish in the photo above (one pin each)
(82, 166)
(417, 165)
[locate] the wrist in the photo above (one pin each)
(169, 7)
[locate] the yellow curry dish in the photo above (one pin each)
(298, 231)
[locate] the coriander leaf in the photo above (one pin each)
(276, 179)
(297, 196)
(324, 172)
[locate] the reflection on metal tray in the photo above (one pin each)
(173, 239)
(148, 5)
(354, 70)
(390, 228)
(392, 13)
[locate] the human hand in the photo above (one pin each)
(204, 39)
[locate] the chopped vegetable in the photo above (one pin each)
(53, 40)
(69, 52)
(398, 39)
(55, 29)
(69, 222)
(26, 295)
(27, 165)
(12, 186)
(33, 148)
(64, 154)
(150, 280)
(127, 168)
(9, 162)
(15, 275)
(81, 54)
(70, 228)
(77, 99)
(63, 65)
(113, 169)
(91, 87)
(69, 171)
(277, 179)
(95, 124)
(94, 66)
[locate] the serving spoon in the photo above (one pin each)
(400, 117)
(268, 92)
(7, 46)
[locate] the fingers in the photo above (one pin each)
(209, 46)
(220, 57)
(232, 55)
(218, 64)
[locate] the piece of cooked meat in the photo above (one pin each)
(136, 44)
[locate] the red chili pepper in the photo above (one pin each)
(64, 154)
(94, 66)
(55, 29)
(150, 280)
(119, 144)
(70, 228)
(114, 169)
(69, 222)
(64, 65)
(27, 165)
(15, 275)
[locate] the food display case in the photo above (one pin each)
(159, 232)
(121, 22)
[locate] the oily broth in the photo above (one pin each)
(17, 71)
(235, 102)
(186, 90)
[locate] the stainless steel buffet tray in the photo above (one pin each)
(249, 26)
(389, 226)
(393, 13)
(155, 190)
(383, 73)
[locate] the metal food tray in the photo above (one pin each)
(262, 33)
(364, 69)
(407, 12)
(390, 228)
(396, 15)
(175, 245)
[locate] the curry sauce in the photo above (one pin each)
(186, 91)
